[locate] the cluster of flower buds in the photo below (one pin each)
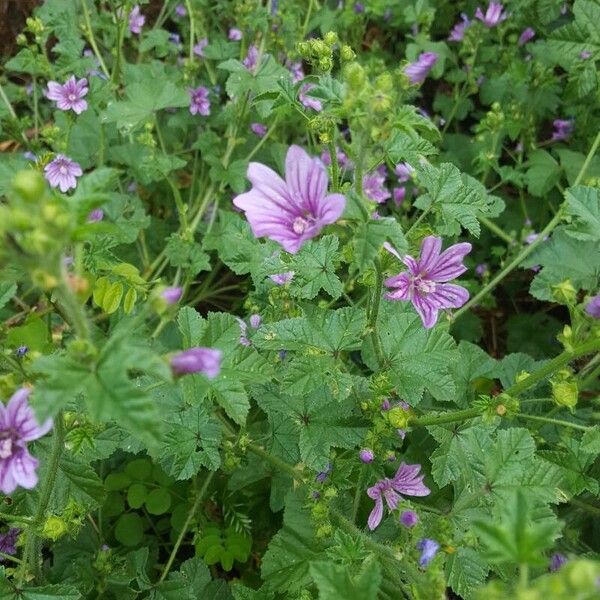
(564, 389)
(319, 52)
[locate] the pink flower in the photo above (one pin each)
(258, 129)
(69, 96)
(251, 60)
(291, 211)
(458, 31)
(199, 47)
(526, 35)
(406, 481)
(61, 173)
(282, 278)
(197, 360)
(494, 15)
(308, 101)
(418, 71)
(374, 187)
(424, 284)
(18, 426)
(200, 103)
(136, 20)
(235, 35)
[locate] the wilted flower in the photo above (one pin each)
(398, 194)
(95, 215)
(425, 282)
(527, 34)
(18, 426)
(557, 560)
(259, 129)
(171, 295)
(417, 71)
(563, 128)
(458, 31)
(200, 103)
(308, 101)
(251, 60)
(406, 481)
(61, 173)
(366, 455)
(235, 35)
(136, 20)
(199, 47)
(428, 550)
(494, 14)
(282, 278)
(291, 211)
(197, 360)
(323, 475)
(409, 518)
(69, 96)
(593, 307)
(180, 10)
(8, 542)
(374, 187)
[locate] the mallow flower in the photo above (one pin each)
(593, 307)
(374, 187)
(69, 96)
(563, 128)
(418, 71)
(458, 31)
(199, 101)
(136, 20)
(282, 278)
(18, 426)
(406, 481)
(425, 282)
(61, 173)
(494, 15)
(8, 542)
(291, 211)
(526, 35)
(199, 47)
(197, 360)
(251, 60)
(308, 101)
(429, 549)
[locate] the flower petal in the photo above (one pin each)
(430, 251)
(306, 179)
(448, 295)
(428, 311)
(449, 264)
(376, 514)
(331, 208)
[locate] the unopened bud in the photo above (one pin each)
(331, 38)
(29, 184)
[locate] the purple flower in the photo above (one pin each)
(458, 31)
(259, 129)
(527, 34)
(481, 269)
(235, 35)
(343, 161)
(428, 550)
(199, 47)
(291, 211)
(409, 518)
(557, 560)
(296, 70)
(403, 171)
(180, 10)
(398, 194)
(200, 103)
(136, 20)
(30, 156)
(282, 278)
(593, 307)
(18, 426)
(8, 542)
(425, 282)
(171, 295)
(308, 101)
(359, 8)
(255, 321)
(585, 54)
(61, 173)
(386, 405)
(417, 71)
(21, 351)
(374, 187)
(366, 455)
(323, 475)
(69, 96)
(197, 360)
(493, 15)
(175, 38)
(563, 128)
(95, 215)
(251, 60)
(406, 481)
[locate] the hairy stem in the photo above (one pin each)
(92, 39)
(372, 323)
(451, 417)
(335, 167)
(549, 421)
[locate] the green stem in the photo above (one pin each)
(74, 311)
(192, 33)
(374, 313)
(11, 558)
(335, 168)
(418, 221)
(358, 492)
(15, 518)
(119, 50)
(553, 365)
(525, 252)
(585, 506)
(276, 462)
(590, 379)
(264, 138)
(31, 553)
(6, 101)
(92, 39)
(588, 160)
(452, 417)
(553, 422)
(495, 229)
(186, 526)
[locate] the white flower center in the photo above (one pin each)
(424, 286)
(5, 446)
(63, 170)
(72, 97)
(299, 225)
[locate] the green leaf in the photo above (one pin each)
(339, 581)
(331, 331)
(186, 254)
(465, 572)
(417, 359)
(409, 147)
(590, 442)
(7, 291)
(543, 173)
(129, 529)
(368, 240)
(44, 592)
(136, 495)
(158, 501)
(583, 205)
(457, 200)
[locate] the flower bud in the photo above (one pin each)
(409, 518)
(366, 455)
(255, 321)
(564, 292)
(171, 295)
(355, 76)
(565, 393)
(29, 184)
(398, 417)
(346, 53)
(197, 360)
(331, 38)
(54, 528)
